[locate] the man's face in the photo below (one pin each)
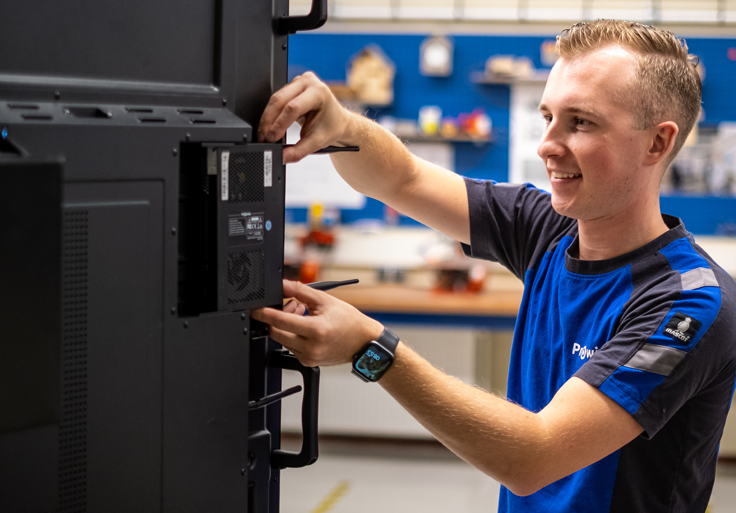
(594, 156)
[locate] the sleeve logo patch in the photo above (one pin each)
(682, 327)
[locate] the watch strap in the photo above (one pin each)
(389, 340)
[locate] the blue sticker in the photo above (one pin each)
(5, 133)
(268, 226)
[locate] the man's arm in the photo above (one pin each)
(521, 449)
(524, 451)
(383, 168)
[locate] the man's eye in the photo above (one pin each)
(581, 122)
(547, 118)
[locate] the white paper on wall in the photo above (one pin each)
(527, 127)
(315, 180)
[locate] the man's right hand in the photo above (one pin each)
(383, 169)
(309, 102)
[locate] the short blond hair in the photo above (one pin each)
(666, 77)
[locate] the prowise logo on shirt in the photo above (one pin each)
(682, 327)
(583, 352)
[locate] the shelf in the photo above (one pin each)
(416, 138)
(539, 77)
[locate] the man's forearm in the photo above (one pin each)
(382, 167)
(523, 450)
(499, 438)
(386, 170)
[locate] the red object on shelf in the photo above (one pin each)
(324, 239)
(309, 271)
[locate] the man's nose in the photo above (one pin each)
(551, 144)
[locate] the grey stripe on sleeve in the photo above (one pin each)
(697, 278)
(655, 358)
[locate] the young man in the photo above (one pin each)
(624, 354)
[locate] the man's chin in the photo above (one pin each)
(564, 208)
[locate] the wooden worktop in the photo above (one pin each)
(394, 298)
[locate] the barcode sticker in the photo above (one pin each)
(225, 176)
(267, 168)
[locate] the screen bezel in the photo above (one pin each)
(220, 91)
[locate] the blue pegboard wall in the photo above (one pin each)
(328, 54)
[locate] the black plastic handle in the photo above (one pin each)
(310, 408)
(314, 20)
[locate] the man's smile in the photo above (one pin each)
(556, 174)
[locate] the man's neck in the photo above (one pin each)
(604, 238)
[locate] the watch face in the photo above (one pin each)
(373, 362)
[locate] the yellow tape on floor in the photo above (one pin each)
(332, 498)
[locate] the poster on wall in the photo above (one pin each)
(314, 180)
(527, 128)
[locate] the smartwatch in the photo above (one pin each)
(372, 362)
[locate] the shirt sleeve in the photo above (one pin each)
(675, 341)
(511, 224)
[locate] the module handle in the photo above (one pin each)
(310, 409)
(314, 20)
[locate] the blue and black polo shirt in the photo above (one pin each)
(653, 329)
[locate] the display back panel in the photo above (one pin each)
(30, 274)
(170, 41)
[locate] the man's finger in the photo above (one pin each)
(285, 321)
(304, 294)
(292, 342)
(305, 147)
(309, 100)
(294, 307)
(266, 129)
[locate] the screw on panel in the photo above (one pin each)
(242, 471)
(245, 137)
(245, 331)
(176, 152)
(189, 136)
(57, 95)
(173, 230)
(173, 310)
(224, 102)
(283, 47)
(186, 324)
(242, 316)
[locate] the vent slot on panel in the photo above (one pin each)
(202, 121)
(73, 429)
(23, 106)
(88, 112)
(191, 111)
(246, 178)
(140, 110)
(37, 117)
(152, 120)
(246, 277)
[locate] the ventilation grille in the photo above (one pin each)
(73, 430)
(246, 277)
(246, 177)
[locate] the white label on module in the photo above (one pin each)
(267, 168)
(225, 170)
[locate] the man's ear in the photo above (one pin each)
(662, 142)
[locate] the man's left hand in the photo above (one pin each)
(331, 334)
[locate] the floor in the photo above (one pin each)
(379, 477)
